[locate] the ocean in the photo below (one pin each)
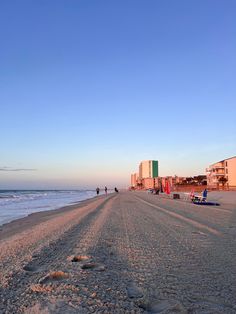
(20, 203)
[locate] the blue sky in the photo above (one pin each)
(88, 89)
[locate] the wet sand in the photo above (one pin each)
(130, 252)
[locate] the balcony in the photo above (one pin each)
(218, 174)
(218, 167)
(215, 169)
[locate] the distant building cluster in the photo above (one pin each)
(220, 174)
(148, 177)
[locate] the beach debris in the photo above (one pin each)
(93, 295)
(86, 262)
(55, 275)
(133, 291)
(80, 258)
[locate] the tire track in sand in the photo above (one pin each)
(185, 219)
(91, 235)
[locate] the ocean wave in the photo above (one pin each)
(22, 203)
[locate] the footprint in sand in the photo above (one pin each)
(164, 306)
(95, 266)
(31, 268)
(133, 291)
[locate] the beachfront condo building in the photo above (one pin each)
(148, 173)
(148, 169)
(222, 173)
(147, 177)
(134, 179)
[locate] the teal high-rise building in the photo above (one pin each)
(148, 169)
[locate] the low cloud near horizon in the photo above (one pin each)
(16, 169)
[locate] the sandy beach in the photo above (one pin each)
(131, 252)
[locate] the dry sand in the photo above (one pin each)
(225, 198)
(131, 252)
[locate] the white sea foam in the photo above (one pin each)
(17, 204)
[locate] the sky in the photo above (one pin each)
(88, 89)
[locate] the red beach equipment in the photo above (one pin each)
(167, 187)
(192, 194)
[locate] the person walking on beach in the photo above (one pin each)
(106, 190)
(116, 190)
(97, 190)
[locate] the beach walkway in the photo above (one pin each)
(130, 252)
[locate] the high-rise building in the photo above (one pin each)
(134, 179)
(148, 169)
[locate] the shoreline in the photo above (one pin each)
(16, 204)
(18, 225)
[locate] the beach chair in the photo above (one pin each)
(200, 198)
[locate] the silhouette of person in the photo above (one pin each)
(204, 194)
(116, 190)
(97, 190)
(105, 190)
